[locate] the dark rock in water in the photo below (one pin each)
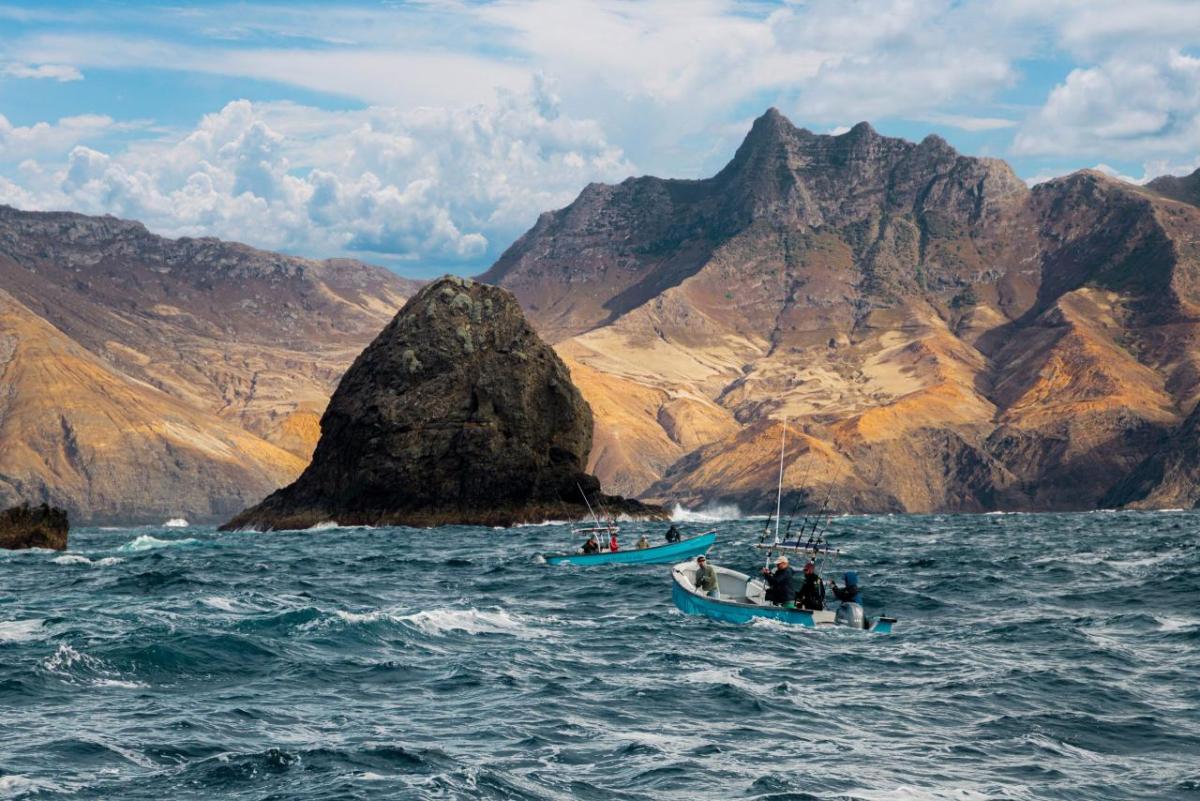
(34, 527)
(456, 413)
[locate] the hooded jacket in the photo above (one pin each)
(850, 593)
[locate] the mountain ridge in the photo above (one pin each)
(185, 338)
(910, 309)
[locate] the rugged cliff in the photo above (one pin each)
(143, 378)
(456, 413)
(942, 336)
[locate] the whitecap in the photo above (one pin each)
(719, 676)
(360, 617)
(176, 522)
(65, 658)
(146, 542)
(14, 784)
(472, 621)
(223, 604)
(20, 630)
(71, 559)
(709, 514)
(1172, 623)
(108, 560)
(374, 777)
(126, 685)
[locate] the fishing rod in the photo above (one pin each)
(778, 497)
(591, 511)
(802, 499)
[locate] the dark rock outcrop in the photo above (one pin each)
(34, 527)
(456, 413)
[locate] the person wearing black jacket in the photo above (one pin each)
(673, 534)
(812, 591)
(780, 590)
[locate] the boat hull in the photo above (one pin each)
(731, 608)
(658, 555)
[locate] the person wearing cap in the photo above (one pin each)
(591, 546)
(812, 591)
(706, 578)
(780, 590)
(643, 543)
(673, 534)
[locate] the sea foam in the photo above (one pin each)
(709, 514)
(20, 630)
(146, 543)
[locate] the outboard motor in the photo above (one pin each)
(849, 614)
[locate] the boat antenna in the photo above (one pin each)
(779, 492)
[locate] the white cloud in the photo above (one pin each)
(1133, 108)
(59, 72)
(968, 123)
(21, 142)
(438, 184)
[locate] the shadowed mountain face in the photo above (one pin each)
(939, 335)
(143, 378)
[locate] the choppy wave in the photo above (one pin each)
(19, 630)
(709, 514)
(147, 542)
(472, 621)
(1034, 659)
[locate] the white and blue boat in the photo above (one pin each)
(743, 599)
(658, 555)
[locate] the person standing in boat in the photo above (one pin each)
(612, 543)
(706, 578)
(591, 546)
(643, 543)
(850, 593)
(673, 534)
(812, 591)
(780, 590)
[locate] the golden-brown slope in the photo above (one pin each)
(79, 434)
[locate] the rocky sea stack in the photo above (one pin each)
(456, 413)
(34, 527)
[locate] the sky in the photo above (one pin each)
(427, 136)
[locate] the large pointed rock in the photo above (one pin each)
(456, 413)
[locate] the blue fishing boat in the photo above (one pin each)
(657, 555)
(743, 599)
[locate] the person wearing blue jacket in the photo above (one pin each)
(850, 593)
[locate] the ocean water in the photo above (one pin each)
(1036, 657)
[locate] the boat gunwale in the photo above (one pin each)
(680, 545)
